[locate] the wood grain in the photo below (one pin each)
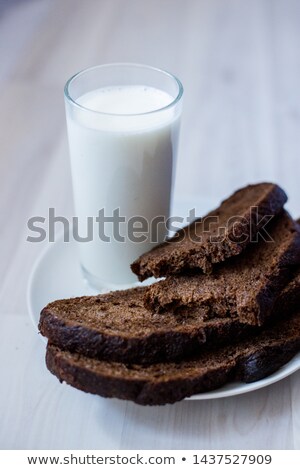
(239, 62)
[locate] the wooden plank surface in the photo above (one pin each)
(239, 62)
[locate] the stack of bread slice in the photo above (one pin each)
(227, 308)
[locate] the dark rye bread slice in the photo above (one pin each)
(245, 287)
(221, 234)
(117, 327)
(170, 382)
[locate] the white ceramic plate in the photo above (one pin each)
(56, 275)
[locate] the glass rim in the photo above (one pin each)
(123, 64)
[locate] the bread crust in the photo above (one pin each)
(245, 287)
(168, 383)
(156, 345)
(185, 251)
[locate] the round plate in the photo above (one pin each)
(57, 275)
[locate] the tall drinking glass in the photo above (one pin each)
(123, 124)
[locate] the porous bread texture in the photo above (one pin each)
(170, 382)
(245, 287)
(202, 243)
(117, 327)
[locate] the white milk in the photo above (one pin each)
(120, 160)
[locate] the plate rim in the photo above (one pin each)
(241, 388)
(38, 260)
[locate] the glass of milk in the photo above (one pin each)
(123, 124)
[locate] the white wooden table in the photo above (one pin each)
(239, 61)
